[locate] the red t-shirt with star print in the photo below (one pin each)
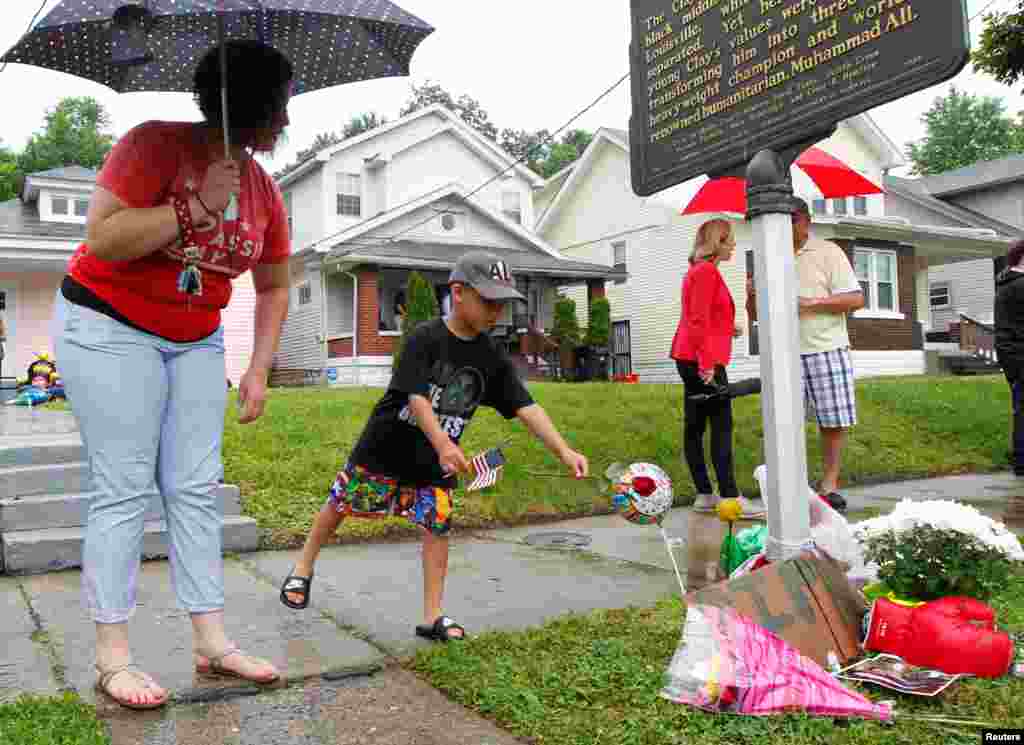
(146, 166)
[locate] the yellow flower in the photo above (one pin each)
(729, 510)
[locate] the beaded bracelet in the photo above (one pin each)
(184, 215)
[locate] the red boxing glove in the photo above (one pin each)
(966, 608)
(940, 635)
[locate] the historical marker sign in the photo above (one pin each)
(715, 81)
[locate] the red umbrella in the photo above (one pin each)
(832, 177)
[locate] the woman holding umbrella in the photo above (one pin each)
(142, 351)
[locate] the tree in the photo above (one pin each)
(1000, 51)
(962, 129)
(530, 147)
(356, 126)
(363, 123)
(466, 107)
(8, 173)
(421, 306)
(76, 132)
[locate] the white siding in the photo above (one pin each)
(471, 227)
(972, 291)
(339, 305)
(423, 155)
(307, 210)
(301, 346)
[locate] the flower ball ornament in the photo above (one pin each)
(643, 494)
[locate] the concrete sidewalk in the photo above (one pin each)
(365, 602)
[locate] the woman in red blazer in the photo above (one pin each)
(702, 347)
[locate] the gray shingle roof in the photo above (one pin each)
(445, 255)
(68, 173)
(916, 190)
(19, 218)
(976, 176)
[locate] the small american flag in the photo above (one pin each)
(487, 467)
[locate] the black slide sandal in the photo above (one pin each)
(296, 585)
(440, 630)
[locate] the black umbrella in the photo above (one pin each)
(155, 45)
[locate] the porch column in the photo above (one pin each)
(595, 289)
(367, 320)
(921, 293)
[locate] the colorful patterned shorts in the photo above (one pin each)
(360, 493)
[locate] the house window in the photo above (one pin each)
(619, 258)
(288, 209)
(819, 206)
(938, 295)
(839, 206)
(305, 294)
(876, 273)
(350, 191)
(59, 205)
(510, 206)
(81, 207)
(860, 206)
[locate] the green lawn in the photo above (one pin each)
(59, 720)
(908, 427)
(594, 680)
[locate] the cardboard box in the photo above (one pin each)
(806, 601)
(704, 534)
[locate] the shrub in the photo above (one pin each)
(599, 328)
(565, 327)
(421, 306)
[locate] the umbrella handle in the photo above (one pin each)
(222, 41)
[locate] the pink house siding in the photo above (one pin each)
(28, 321)
(237, 319)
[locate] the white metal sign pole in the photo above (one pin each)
(769, 196)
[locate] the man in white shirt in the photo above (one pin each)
(828, 292)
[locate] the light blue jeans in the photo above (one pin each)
(151, 416)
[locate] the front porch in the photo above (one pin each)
(362, 326)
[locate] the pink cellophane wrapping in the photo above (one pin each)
(727, 663)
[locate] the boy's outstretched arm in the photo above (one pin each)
(452, 459)
(540, 424)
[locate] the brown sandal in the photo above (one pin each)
(107, 676)
(215, 666)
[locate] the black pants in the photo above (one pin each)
(1017, 428)
(696, 415)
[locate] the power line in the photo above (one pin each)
(988, 5)
(520, 161)
(30, 25)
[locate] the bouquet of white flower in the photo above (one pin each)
(927, 550)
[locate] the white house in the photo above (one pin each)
(414, 194)
(985, 197)
(590, 213)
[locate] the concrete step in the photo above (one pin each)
(36, 512)
(41, 451)
(53, 549)
(55, 478)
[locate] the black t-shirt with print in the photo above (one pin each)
(456, 376)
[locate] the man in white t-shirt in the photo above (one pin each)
(829, 290)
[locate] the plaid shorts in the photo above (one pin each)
(361, 493)
(828, 385)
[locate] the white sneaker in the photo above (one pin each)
(705, 503)
(753, 509)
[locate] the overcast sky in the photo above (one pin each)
(530, 63)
